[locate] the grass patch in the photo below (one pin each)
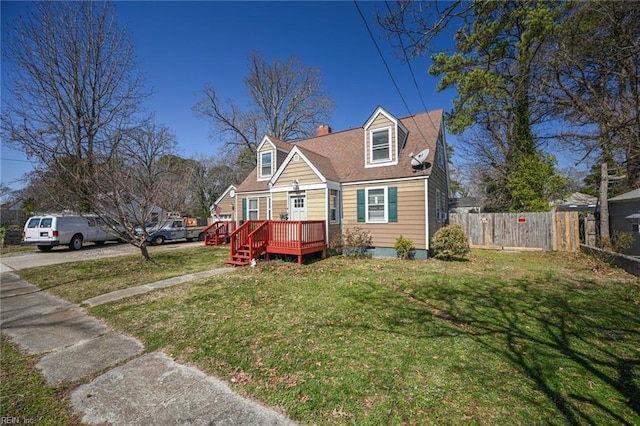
(82, 280)
(24, 396)
(12, 249)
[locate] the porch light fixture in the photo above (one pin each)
(295, 184)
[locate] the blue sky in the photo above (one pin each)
(181, 46)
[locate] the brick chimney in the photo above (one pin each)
(323, 130)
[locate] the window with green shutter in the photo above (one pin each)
(377, 205)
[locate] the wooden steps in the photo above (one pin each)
(241, 258)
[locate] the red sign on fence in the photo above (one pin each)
(522, 219)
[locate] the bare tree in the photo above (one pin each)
(135, 182)
(286, 102)
(76, 107)
(74, 88)
(209, 178)
(594, 81)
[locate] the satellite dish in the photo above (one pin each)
(419, 161)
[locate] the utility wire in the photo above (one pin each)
(413, 76)
(366, 24)
(373, 39)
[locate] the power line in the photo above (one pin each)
(14, 159)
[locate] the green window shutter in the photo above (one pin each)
(393, 204)
(244, 209)
(361, 212)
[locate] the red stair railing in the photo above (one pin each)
(258, 239)
(239, 240)
(218, 232)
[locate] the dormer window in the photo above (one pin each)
(381, 145)
(265, 164)
(384, 137)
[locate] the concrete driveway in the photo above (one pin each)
(63, 254)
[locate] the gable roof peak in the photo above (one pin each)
(275, 142)
(379, 110)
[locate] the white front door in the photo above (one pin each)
(298, 207)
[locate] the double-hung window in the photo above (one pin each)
(377, 205)
(380, 145)
(265, 164)
(334, 201)
(376, 211)
(252, 209)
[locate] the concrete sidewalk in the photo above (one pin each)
(131, 387)
(132, 291)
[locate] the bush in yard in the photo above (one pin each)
(611, 247)
(618, 243)
(336, 245)
(356, 241)
(450, 242)
(404, 248)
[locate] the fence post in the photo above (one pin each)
(590, 230)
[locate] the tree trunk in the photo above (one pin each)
(145, 252)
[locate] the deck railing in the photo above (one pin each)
(297, 238)
(297, 234)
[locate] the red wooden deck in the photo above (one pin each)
(256, 238)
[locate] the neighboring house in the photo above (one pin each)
(224, 208)
(624, 216)
(465, 205)
(578, 202)
(378, 177)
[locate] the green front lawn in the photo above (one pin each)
(507, 338)
(80, 281)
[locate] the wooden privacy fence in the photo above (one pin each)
(542, 231)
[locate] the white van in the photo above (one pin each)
(47, 231)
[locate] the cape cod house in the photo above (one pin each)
(388, 177)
